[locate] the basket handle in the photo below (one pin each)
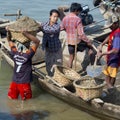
(96, 58)
(53, 67)
(94, 48)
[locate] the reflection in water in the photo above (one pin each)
(31, 115)
(26, 115)
(6, 116)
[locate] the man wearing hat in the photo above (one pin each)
(113, 52)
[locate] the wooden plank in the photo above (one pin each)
(41, 65)
(4, 43)
(6, 24)
(56, 83)
(8, 59)
(38, 71)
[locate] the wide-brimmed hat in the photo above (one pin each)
(111, 20)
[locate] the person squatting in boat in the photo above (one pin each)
(51, 42)
(22, 75)
(73, 26)
(113, 52)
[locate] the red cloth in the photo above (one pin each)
(23, 89)
(111, 38)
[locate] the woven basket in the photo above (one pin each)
(65, 76)
(88, 88)
(20, 37)
(24, 23)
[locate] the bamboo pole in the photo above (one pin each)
(75, 58)
(18, 14)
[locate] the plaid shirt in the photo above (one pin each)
(51, 37)
(73, 26)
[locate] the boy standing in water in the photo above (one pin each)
(22, 75)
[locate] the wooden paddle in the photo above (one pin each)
(75, 55)
(75, 58)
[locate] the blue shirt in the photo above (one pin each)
(115, 58)
(51, 37)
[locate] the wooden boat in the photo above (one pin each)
(98, 107)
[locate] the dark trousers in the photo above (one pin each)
(88, 59)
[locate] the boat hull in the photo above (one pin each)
(106, 111)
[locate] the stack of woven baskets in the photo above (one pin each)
(65, 76)
(88, 88)
(24, 23)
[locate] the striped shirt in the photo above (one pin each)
(73, 26)
(51, 37)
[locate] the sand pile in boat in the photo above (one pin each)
(88, 83)
(24, 23)
(88, 88)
